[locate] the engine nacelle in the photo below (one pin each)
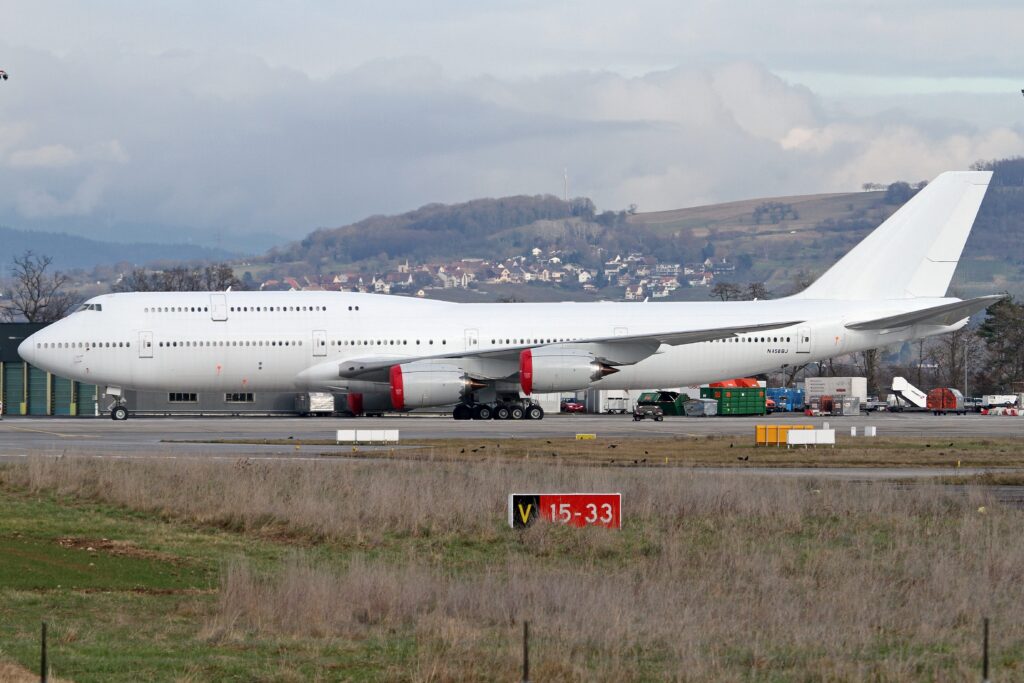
(559, 369)
(425, 383)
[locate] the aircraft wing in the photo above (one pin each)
(945, 314)
(615, 350)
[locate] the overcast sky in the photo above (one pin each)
(230, 118)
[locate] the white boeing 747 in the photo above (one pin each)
(486, 360)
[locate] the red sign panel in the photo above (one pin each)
(574, 509)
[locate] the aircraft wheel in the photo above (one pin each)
(462, 412)
(534, 413)
(502, 413)
(517, 413)
(482, 412)
(119, 413)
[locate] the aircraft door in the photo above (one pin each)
(319, 343)
(145, 344)
(218, 307)
(472, 340)
(803, 340)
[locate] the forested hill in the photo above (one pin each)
(70, 251)
(433, 231)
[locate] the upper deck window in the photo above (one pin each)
(91, 307)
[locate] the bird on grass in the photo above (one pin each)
(743, 457)
(613, 445)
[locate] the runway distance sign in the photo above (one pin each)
(573, 509)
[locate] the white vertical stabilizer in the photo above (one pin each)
(914, 252)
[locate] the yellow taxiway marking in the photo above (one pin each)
(43, 431)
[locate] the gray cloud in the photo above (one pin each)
(193, 141)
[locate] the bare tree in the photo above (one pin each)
(756, 291)
(38, 294)
(138, 280)
(213, 278)
(726, 291)
(950, 352)
(868, 362)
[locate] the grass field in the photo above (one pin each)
(672, 452)
(195, 570)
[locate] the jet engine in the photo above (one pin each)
(559, 369)
(426, 383)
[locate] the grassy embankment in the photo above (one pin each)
(193, 570)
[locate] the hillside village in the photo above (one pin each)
(636, 276)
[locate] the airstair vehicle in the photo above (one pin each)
(905, 396)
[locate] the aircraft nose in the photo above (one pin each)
(27, 350)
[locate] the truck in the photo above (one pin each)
(837, 388)
(670, 402)
(608, 401)
(314, 403)
(786, 400)
(999, 401)
(905, 396)
(944, 400)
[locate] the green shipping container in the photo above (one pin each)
(14, 388)
(38, 400)
(737, 400)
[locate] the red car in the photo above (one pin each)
(573, 407)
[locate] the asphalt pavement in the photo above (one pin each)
(20, 436)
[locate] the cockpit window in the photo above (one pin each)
(91, 307)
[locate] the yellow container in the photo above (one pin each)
(772, 437)
(783, 434)
(760, 435)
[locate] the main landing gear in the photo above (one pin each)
(515, 410)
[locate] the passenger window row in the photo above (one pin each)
(762, 340)
(277, 309)
(532, 341)
(196, 344)
(238, 309)
(176, 309)
(381, 342)
(82, 345)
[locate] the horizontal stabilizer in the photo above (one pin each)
(946, 314)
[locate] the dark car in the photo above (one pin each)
(642, 412)
(573, 407)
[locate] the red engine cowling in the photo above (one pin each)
(559, 369)
(423, 383)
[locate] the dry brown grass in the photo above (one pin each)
(696, 451)
(714, 577)
(14, 673)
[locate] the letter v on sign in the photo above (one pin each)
(523, 510)
(524, 515)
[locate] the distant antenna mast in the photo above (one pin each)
(565, 184)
